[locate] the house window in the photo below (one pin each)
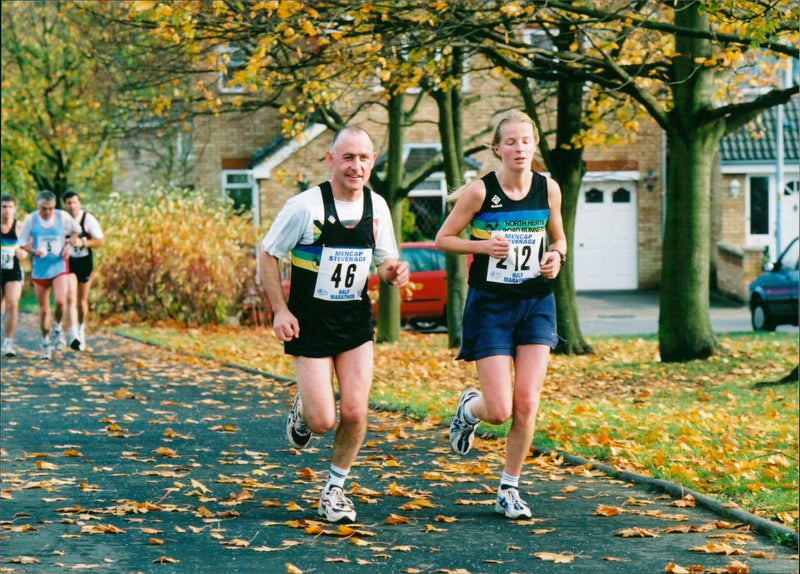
(231, 60)
(622, 195)
(759, 206)
(239, 190)
(594, 195)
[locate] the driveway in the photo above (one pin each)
(636, 313)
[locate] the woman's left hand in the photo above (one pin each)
(550, 264)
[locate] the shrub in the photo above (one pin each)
(172, 255)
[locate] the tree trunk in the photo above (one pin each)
(565, 162)
(684, 323)
(450, 109)
(567, 168)
(388, 320)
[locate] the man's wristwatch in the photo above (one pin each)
(561, 255)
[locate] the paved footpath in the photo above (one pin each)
(132, 458)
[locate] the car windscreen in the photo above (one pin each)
(420, 259)
(789, 259)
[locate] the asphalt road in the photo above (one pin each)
(131, 458)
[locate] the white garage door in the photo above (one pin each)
(605, 249)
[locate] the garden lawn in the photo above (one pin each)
(713, 425)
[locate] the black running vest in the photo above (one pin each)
(524, 224)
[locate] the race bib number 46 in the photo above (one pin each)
(343, 272)
(522, 262)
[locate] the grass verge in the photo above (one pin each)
(710, 425)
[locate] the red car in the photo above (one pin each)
(423, 306)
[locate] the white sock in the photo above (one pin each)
(468, 416)
(57, 327)
(508, 481)
(336, 477)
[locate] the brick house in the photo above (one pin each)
(755, 213)
(618, 232)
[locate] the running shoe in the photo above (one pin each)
(334, 506)
(296, 430)
(509, 503)
(462, 432)
(46, 351)
(8, 348)
(75, 344)
(59, 341)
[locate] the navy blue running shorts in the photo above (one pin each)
(497, 325)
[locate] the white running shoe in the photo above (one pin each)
(509, 503)
(296, 430)
(46, 350)
(462, 433)
(8, 348)
(334, 506)
(59, 342)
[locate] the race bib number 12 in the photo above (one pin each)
(343, 272)
(522, 262)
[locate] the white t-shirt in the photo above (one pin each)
(67, 223)
(91, 225)
(295, 224)
(92, 228)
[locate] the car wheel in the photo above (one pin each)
(760, 317)
(423, 325)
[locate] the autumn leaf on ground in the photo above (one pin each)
(634, 502)
(166, 452)
(686, 501)
(101, 529)
(396, 519)
(417, 504)
(165, 560)
(603, 510)
(719, 548)
(736, 567)
(292, 569)
(23, 560)
(553, 557)
(636, 531)
(200, 486)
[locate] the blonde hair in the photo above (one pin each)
(510, 116)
